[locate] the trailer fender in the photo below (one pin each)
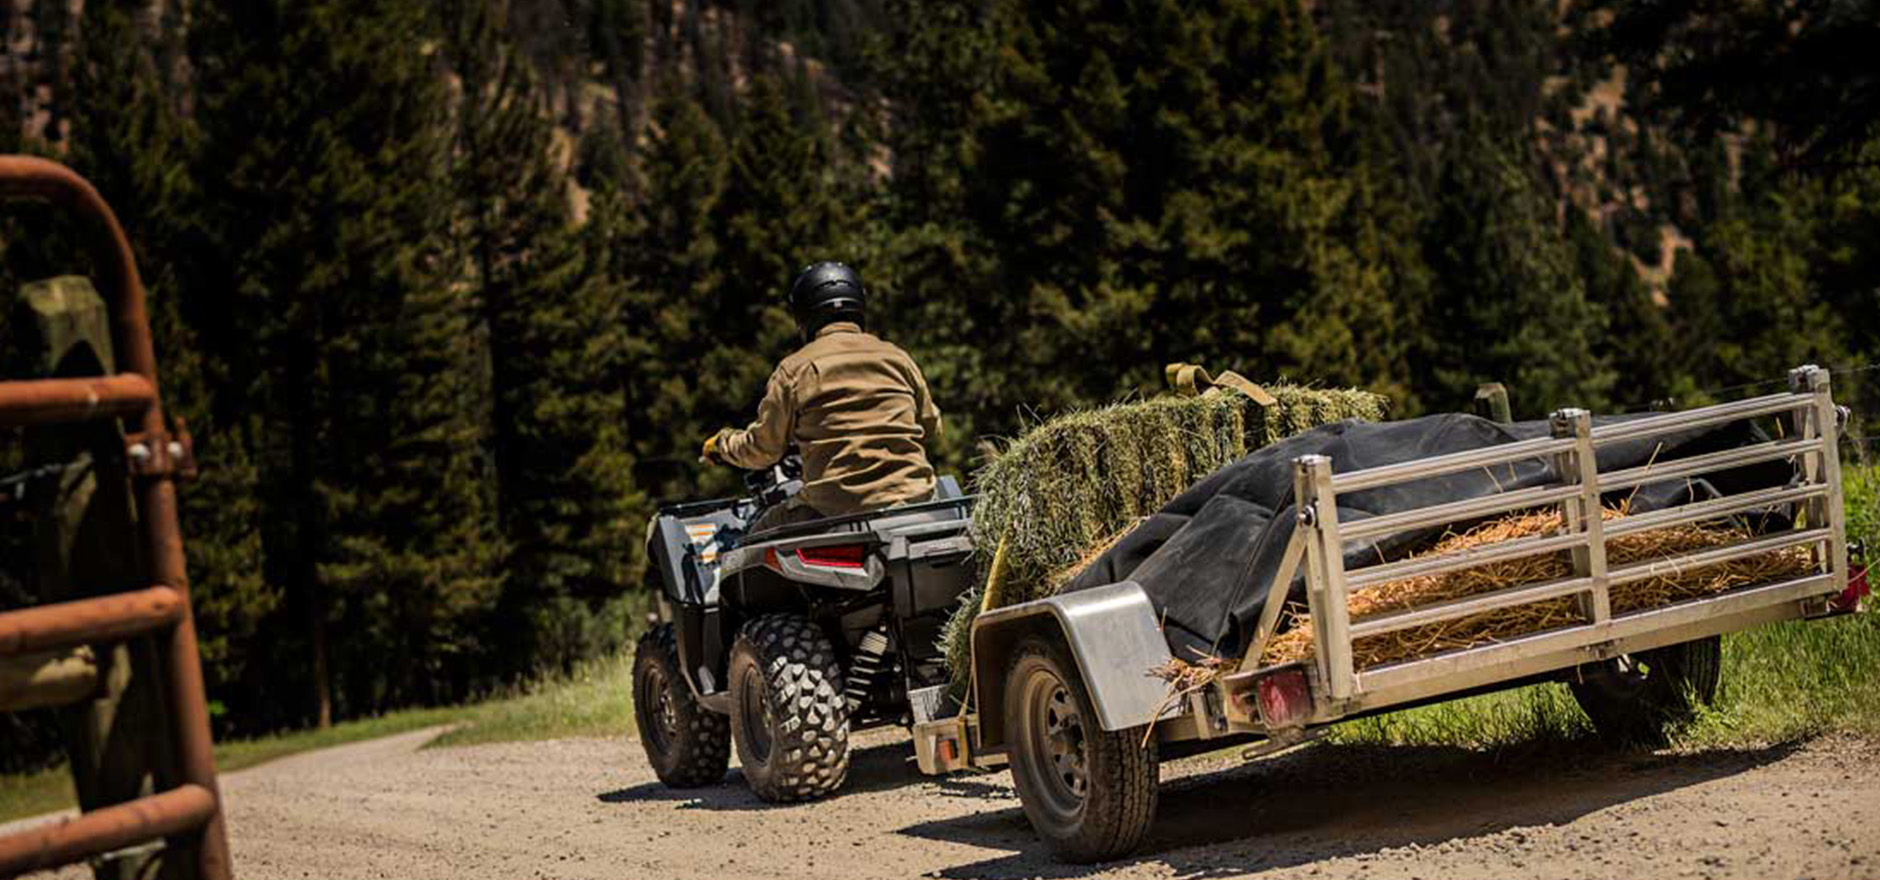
(1113, 635)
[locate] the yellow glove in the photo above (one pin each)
(709, 454)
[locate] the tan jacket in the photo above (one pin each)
(859, 411)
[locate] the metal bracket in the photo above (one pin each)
(162, 454)
(1284, 741)
(1603, 650)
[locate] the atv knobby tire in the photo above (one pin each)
(1090, 793)
(788, 715)
(1641, 699)
(687, 744)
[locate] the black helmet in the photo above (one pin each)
(824, 293)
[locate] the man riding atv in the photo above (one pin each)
(811, 607)
(856, 407)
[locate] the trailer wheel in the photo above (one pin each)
(687, 744)
(1641, 699)
(1090, 793)
(788, 715)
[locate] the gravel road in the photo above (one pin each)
(590, 808)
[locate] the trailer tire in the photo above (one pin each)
(1642, 699)
(789, 717)
(688, 745)
(1090, 793)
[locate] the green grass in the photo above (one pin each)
(595, 701)
(30, 794)
(1780, 683)
(591, 702)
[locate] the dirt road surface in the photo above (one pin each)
(592, 809)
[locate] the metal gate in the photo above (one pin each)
(190, 814)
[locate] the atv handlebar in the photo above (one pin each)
(775, 484)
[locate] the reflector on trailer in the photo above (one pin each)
(1285, 698)
(1857, 591)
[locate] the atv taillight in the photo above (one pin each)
(836, 556)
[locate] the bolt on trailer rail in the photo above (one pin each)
(189, 814)
(1113, 637)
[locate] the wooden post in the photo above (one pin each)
(85, 537)
(43, 681)
(1491, 403)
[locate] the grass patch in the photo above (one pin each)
(1780, 683)
(594, 701)
(31, 794)
(591, 702)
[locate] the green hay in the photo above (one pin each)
(1076, 480)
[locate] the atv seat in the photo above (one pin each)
(949, 503)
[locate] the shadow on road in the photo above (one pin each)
(871, 768)
(1331, 801)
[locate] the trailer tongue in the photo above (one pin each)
(1063, 688)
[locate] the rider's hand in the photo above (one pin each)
(709, 453)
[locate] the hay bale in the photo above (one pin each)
(1081, 480)
(1670, 587)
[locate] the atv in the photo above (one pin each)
(788, 639)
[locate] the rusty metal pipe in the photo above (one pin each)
(85, 621)
(173, 813)
(31, 177)
(44, 401)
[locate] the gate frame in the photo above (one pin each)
(191, 812)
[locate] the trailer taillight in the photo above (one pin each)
(834, 556)
(1857, 589)
(1285, 699)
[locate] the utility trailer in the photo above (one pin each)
(1063, 688)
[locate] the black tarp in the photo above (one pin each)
(1207, 558)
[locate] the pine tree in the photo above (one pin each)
(1160, 182)
(1511, 307)
(131, 142)
(934, 281)
(778, 213)
(1638, 342)
(666, 241)
(345, 328)
(549, 312)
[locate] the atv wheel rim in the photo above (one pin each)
(757, 715)
(657, 698)
(1055, 728)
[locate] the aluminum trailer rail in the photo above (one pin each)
(1112, 632)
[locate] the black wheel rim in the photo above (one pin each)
(1628, 674)
(1055, 734)
(658, 708)
(757, 715)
